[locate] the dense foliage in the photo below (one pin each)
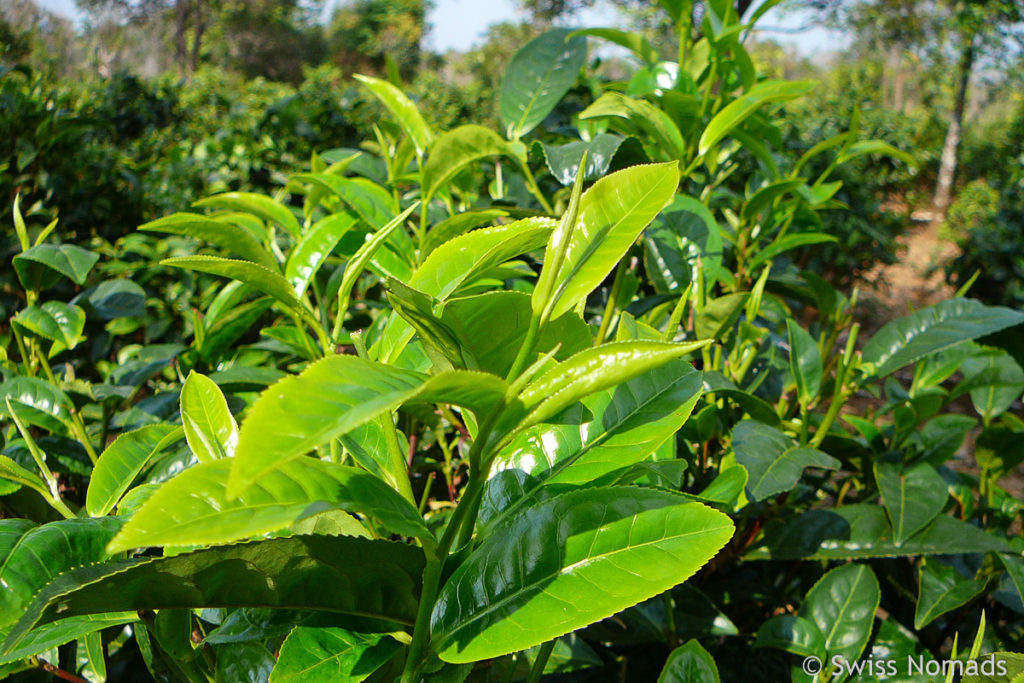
(468, 404)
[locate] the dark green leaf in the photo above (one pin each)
(38, 402)
(804, 362)
(775, 463)
(118, 299)
(564, 160)
(933, 329)
(539, 75)
(491, 327)
(43, 552)
(39, 266)
(792, 634)
(325, 655)
(683, 240)
(842, 605)
(378, 582)
(689, 663)
(863, 531)
(942, 589)
(57, 321)
(912, 498)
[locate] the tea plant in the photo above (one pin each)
(472, 406)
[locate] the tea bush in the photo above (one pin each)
(463, 405)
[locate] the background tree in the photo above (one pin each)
(363, 33)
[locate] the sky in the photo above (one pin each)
(461, 24)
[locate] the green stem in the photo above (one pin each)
(840, 394)
(421, 631)
(77, 425)
(531, 185)
(543, 655)
(23, 352)
(526, 350)
(609, 309)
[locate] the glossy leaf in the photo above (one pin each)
(456, 149)
(122, 461)
(591, 371)
(43, 552)
(258, 205)
(863, 531)
(994, 381)
(933, 329)
(942, 589)
(612, 214)
(842, 605)
(912, 498)
(804, 363)
(57, 321)
(224, 234)
(775, 463)
(208, 424)
(689, 663)
(616, 428)
(403, 109)
(39, 402)
(466, 257)
(313, 249)
(335, 395)
(538, 76)
(41, 266)
(564, 160)
(193, 508)
(41, 639)
(456, 225)
(740, 109)
(378, 582)
(793, 634)
(354, 268)
(661, 137)
(325, 655)
(568, 562)
(370, 201)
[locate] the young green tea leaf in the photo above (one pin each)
(121, 463)
(209, 427)
(568, 562)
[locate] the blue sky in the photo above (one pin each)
(459, 24)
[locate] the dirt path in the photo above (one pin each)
(916, 280)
